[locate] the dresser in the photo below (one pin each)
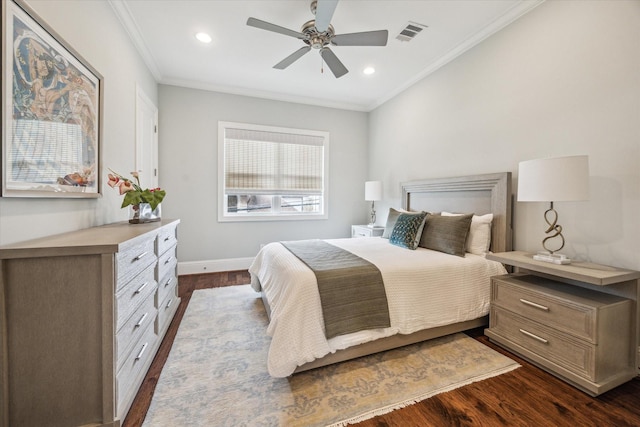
(366, 231)
(84, 315)
(577, 321)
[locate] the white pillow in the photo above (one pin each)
(479, 238)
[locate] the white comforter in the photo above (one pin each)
(424, 289)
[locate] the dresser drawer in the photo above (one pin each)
(167, 286)
(167, 263)
(567, 309)
(129, 298)
(166, 309)
(574, 355)
(134, 365)
(167, 237)
(133, 259)
(134, 327)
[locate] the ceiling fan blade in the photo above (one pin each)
(324, 13)
(332, 61)
(292, 58)
(263, 25)
(367, 38)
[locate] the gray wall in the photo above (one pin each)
(188, 141)
(562, 80)
(93, 30)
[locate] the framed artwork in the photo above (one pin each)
(51, 111)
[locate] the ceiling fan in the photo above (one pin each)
(319, 34)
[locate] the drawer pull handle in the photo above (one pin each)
(142, 255)
(168, 282)
(141, 320)
(534, 336)
(144, 347)
(166, 239)
(141, 288)
(533, 304)
(168, 304)
(168, 260)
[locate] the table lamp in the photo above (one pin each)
(373, 193)
(559, 179)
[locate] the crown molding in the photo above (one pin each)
(129, 23)
(498, 24)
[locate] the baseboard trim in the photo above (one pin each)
(213, 266)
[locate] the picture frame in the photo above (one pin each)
(51, 111)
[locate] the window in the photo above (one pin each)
(271, 173)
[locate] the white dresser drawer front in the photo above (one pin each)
(166, 310)
(166, 286)
(167, 237)
(134, 327)
(167, 263)
(133, 259)
(533, 302)
(574, 355)
(127, 380)
(129, 298)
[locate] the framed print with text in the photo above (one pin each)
(51, 111)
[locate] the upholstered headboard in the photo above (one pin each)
(479, 194)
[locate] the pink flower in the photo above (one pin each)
(125, 186)
(114, 181)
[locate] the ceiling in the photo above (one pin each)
(240, 58)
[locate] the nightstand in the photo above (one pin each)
(577, 321)
(366, 231)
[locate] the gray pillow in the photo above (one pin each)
(407, 230)
(391, 221)
(446, 234)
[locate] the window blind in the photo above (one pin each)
(272, 163)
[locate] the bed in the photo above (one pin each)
(417, 308)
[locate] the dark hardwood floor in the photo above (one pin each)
(527, 396)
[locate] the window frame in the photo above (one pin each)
(225, 216)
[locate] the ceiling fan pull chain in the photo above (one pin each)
(321, 66)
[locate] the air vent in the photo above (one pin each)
(411, 30)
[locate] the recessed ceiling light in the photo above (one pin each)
(369, 70)
(203, 37)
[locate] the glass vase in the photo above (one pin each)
(142, 213)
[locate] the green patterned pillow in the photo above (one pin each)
(407, 230)
(391, 221)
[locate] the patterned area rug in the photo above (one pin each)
(216, 373)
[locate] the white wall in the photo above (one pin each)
(188, 144)
(93, 30)
(562, 80)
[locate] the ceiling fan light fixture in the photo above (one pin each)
(318, 34)
(203, 37)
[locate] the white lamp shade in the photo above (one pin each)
(554, 180)
(373, 190)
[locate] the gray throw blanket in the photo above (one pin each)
(351, 288)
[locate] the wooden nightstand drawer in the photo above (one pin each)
(577, 321)
(546, 302)
(572, 354)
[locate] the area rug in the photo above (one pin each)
(216, 372)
